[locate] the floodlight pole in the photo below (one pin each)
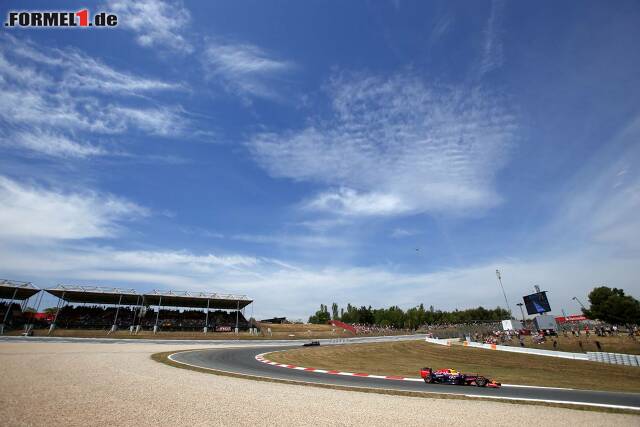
(206, 319)
(499, 276)
(15, 292)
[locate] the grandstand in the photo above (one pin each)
(108, 308)
(13, 313)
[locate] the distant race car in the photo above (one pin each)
(311, 344)
(453, 377)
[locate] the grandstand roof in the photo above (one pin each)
(95, 294)
(197, 299)
(104, 295)
(21, 290)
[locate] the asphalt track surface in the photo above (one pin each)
(242, 361)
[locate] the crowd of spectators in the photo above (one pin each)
(99, 317)
(492, 332)
(376, 329)
(15, 313)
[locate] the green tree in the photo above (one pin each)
(613, 306)
(334, 311)
(321, 316)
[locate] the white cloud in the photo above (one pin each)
(156, 23)
(305, 241)
(243, 68)
(31, 212)
(601, 203)
(155, 121)
(296, 291)
(492, 54)
(52, 95)
(73, 69)
(351, 202)
(54, 144)
(397, 146)
(323, 224)
(399, 233)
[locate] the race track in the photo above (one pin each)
(243, 361)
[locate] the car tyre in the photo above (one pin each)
(481, 382)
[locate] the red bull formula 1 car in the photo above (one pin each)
(453, 377)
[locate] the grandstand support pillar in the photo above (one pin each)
(6, 314)
(135, 311)
(114, 327)
(140, 316)
(206, 319)
(155, 327)
(55, 319)
(237, 314)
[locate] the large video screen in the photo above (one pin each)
(537, 303)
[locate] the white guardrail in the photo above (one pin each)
(539, 352)
(612, 358)
(536, 351)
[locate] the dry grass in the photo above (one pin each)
(303, 330)
(406, 359)
(287, 331)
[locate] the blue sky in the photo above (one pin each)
(309, 152)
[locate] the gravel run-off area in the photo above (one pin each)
(118, 384)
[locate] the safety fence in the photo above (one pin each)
(536, 351)
(440, 341)
(614, 358)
